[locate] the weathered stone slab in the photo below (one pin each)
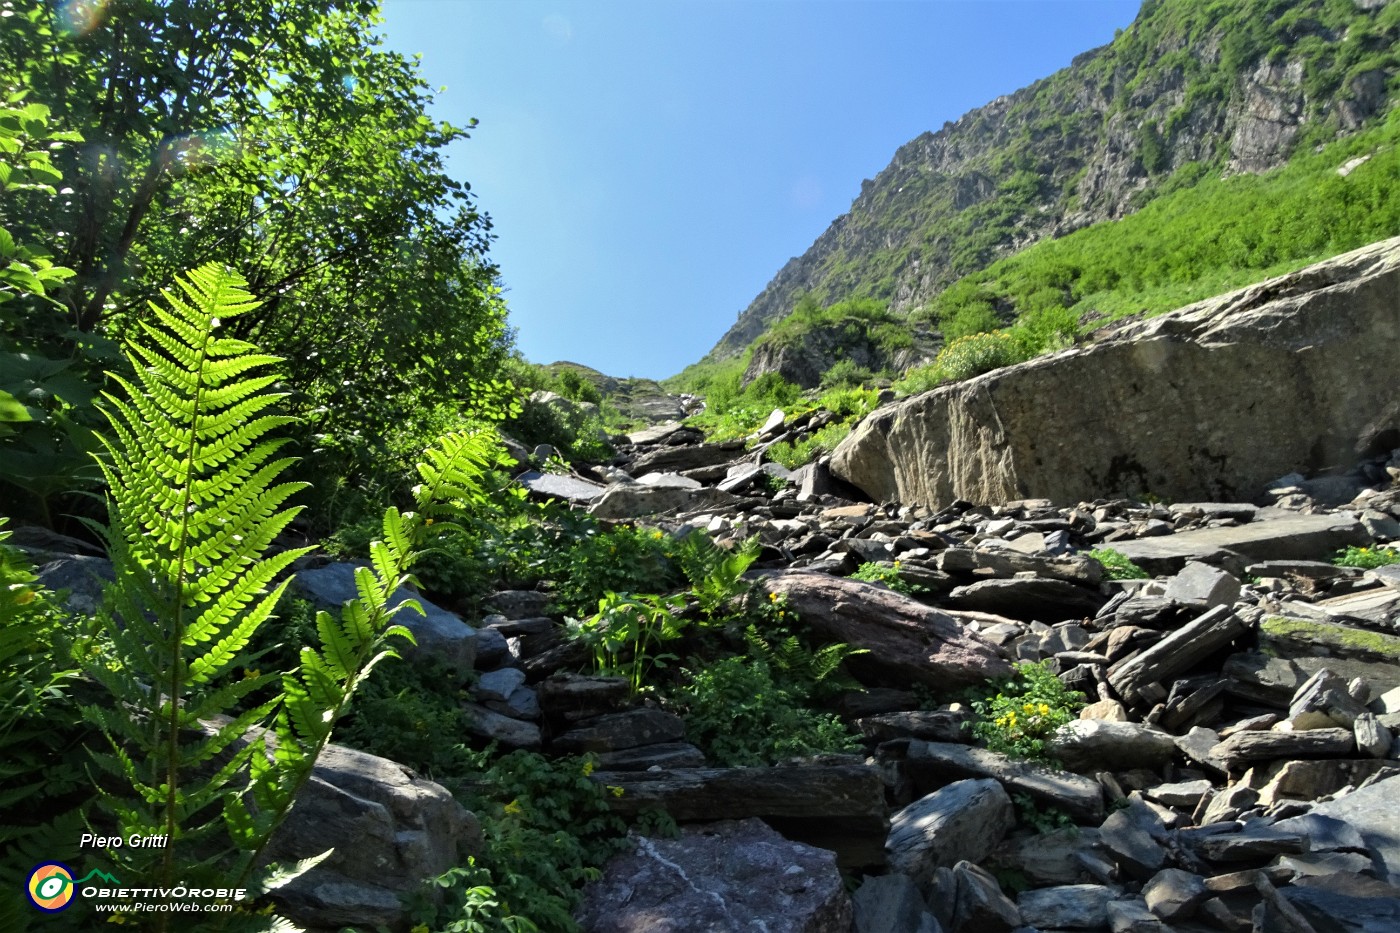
(560, 487)
(1373, 812)
(617, 731)
(1101, 744)
(963, 821)
(1043, 600)
(907, 641)
(439, 634)
(1066, 907)
(633, 500)
(1177, 653)
(1244, 747)
(724, 876)
(1081, 797)
(1194, 398)
(1287, 536)
(1002, 563)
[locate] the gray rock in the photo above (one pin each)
(1131, 846)
(1173, 894)
(1040, 599)
(670, 480)
(1324, 833)
(557, 486)
(979, 904)
(622, 500)
(665, 755)
(1373, 813)
(963, 821)
(1287, 536)
(676, 459)
(1132, 916)
(907, 642)
(1245, 747)
(1066, 907)
(498, 685)
(1048, 858)
(1336, 912)
(1177, 653)
(1323, 702)
(1184, 795)
(621, 730)
(1203, 586)
(939, 763)
(85, 579)
(488, 724)
(1372, 738)
(891, 904)
(1086, 744)
(519, 604)
(1191, 418)
(439, 634)
(1073, 569)
(390, 831)
(1253, 844)
(734, 875)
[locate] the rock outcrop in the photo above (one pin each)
(1208, 402)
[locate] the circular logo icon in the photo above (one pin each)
(50, 887)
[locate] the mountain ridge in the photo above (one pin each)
(1188, 90)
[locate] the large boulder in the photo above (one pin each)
(904, 640)
(1208, 402)
(724, 876)
(390, 831)
(437, 633)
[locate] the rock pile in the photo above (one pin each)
(1232, 771)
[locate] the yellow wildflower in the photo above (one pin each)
(1028, 708)
(587, 768)
(514, 808)
(1045, 709)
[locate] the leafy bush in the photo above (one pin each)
(846, 374)
(850, 402)
(887, 574)
(737, 713)
(1015, 716)
(1367, 558)
(622, 560)
(823, 441)
(1117, 565)
(548, 829)
(978, 353)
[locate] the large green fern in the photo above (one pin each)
(195, 503)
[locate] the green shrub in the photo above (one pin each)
(851, 402)
(1367, 558)
(739, 716)
(824, 441)
(1117, 565)
(846, 374)
(886, 574)
(622, 560)
(1017, 715)
(978, 353)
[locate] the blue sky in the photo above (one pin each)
(649, 166)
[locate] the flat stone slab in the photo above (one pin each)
(1270, 537)
(1375, 813)
(560, 487)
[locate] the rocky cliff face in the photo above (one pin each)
(1234, 92)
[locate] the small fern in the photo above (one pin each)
(715, 573)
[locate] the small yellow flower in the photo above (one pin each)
(587, 768)
(1045, 709)
(1028, 708)
(615, 790)
(514, 808)
(773, 597)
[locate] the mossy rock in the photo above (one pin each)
(1293, 637)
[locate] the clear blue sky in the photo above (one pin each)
(649, 166)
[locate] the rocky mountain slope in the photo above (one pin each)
(1190, 89)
